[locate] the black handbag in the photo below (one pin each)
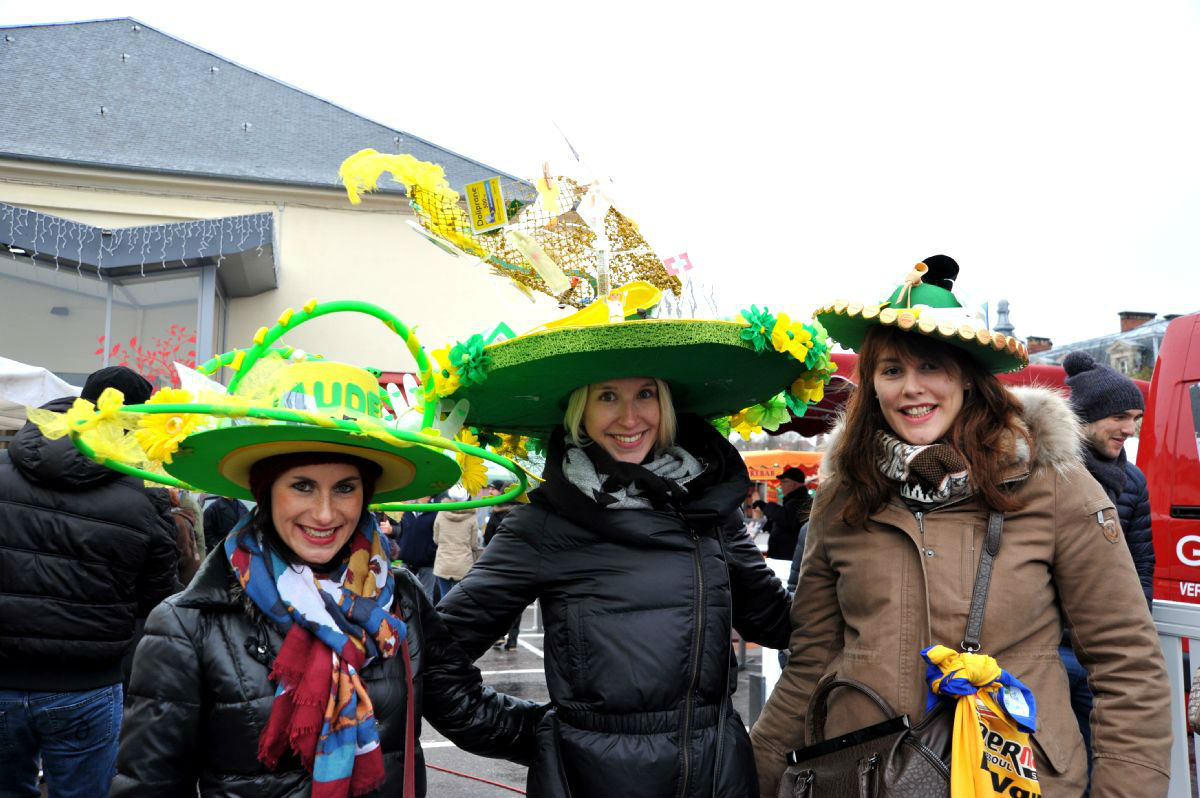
(892, 759)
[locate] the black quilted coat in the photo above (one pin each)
(1133, 508)
(200, 697)
(638, 606)
(83, 553)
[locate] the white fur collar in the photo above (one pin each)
(1057, 433)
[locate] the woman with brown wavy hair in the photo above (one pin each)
(929, 446)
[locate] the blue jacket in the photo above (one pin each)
(1133, 508)
(417, 548)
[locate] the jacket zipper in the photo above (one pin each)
(697, 631)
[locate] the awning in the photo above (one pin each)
(22, 385)
(766, 466)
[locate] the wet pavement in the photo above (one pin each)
(519, 673)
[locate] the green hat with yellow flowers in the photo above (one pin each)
(205, 436)
(756, 370)
(924, 304)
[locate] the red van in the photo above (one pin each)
(1169, 454)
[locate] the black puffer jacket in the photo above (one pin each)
(83, 553)
(1133, 508)
(200, 697)
(638, 606)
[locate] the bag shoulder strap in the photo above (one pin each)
(818, 705)
(983, 578)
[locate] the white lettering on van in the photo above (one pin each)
(1189, 589)
(1188, 550)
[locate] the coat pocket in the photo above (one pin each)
(577, 653)
(547, 776)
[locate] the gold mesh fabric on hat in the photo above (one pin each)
(563, 236)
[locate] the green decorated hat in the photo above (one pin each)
(924, 304)
(755, 369)
(204, 436)
(217, 459)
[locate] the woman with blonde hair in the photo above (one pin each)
(633, 547)
(931, 445)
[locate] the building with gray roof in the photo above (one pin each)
(159, 202)
(119, 93)
(1131, 351)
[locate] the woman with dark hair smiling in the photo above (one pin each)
(296, 662)
(937, 473)
(633, 544)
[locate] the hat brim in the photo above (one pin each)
(710, 369)
(219, 461)
(848, 322)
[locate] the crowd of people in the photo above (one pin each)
(292, 644)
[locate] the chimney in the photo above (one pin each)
(1133, 318)
(1036, 343)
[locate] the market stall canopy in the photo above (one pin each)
(22, 385)
(766, 466)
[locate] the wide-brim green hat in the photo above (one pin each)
(713, 368)
(219, 461)
(324, 407)
(925, 305)
(206, 436)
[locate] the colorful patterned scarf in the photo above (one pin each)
(932, 474)
(334, 624)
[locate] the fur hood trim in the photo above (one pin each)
(1057, 434)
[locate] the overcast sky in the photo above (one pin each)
(800, 152)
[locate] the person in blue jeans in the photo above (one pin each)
(86, 553)
(75, 733)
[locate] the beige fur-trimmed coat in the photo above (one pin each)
(871, 598)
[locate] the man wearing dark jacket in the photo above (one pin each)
(417, 548)
(784, 521)
(85, 552)
(1110, 407)
(221, 514)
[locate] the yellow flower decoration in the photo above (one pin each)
(790, 337)
(810, 387)
(512, 447)
(445, 375)
(742, 425)
(80, 417)
(474, 473)
(159, 433)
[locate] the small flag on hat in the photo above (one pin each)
(677, 264)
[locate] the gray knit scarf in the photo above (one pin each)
(674, 464)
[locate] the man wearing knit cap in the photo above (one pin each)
(86, 552)
(1111, 408)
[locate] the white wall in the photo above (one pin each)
(326, 249)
